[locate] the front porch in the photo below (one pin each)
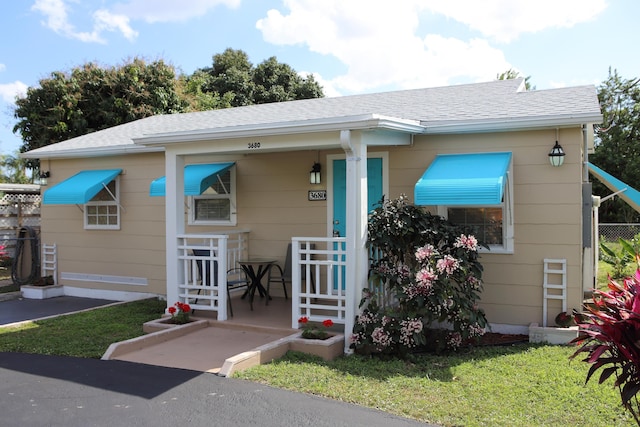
(318, 287)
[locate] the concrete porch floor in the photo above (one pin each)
(206, 349)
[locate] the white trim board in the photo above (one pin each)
(104, 278)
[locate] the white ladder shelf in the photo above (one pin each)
(555, 284)
(49, 261)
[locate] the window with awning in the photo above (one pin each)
(464, 180)
(80, 188)
(197, 178)
(97, 191)
(474, 190)
(210, 189)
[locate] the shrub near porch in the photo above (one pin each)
(431, 267)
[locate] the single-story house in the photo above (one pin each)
(127, 205)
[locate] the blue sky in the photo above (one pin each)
(351, 46)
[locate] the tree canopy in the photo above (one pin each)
(90, 97)
(513, 74)
(617, 145)
(234, 78)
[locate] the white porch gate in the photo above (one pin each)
(195, 287)
(322, 294)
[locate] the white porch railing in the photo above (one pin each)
(202, 283)
(321, 295)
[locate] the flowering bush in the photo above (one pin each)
(312, 331)
(431, 267)
(5, 259)
(610, 337)
(179, 313)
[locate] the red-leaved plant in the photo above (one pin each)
(610, 337)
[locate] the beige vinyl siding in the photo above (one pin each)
(136, 250)
(547, 215)
(272, 202)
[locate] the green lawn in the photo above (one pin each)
(85, 334)
(521, 385)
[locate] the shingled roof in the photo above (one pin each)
(496, 105)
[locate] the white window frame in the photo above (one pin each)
(507, 246)
(114, 202)
(231, 196)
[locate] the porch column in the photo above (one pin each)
(174, 223)
(356, 226)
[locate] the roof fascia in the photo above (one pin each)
(91, 152)
(360, 122)
(511, 124)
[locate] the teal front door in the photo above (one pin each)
(374, 194)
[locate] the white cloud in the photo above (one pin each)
(107, 21)
(57, 19)
(379, 43)
(505, 20)
(170, 10)
(9, 91)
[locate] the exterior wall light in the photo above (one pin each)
(314, 175)
(556, 155)
(42, 177)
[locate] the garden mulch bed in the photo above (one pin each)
(492, 338)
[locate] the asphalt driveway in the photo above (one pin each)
(60, 391)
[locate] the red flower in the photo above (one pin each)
(328, 323)
(303, 319)
(171, 310)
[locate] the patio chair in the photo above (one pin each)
(283, 274)
(236, 277)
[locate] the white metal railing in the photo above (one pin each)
(318, 294)
(202, 283)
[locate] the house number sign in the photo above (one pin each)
(318, 195)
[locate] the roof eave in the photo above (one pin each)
(509, 124)
(90, 152)
(361, 122)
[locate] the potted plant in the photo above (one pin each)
(179, 313)
(312, 332)
(564, 320)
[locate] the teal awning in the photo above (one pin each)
(197, 178)
(464, 180)
(80, 188)
(626, 192)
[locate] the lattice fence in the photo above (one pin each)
(18, 210)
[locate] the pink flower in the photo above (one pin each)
(426, 276)
(425, 252)
(467, 242)
(447, 264)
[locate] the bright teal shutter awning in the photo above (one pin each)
(626, 192)
(80, 188)
(197, 178)
(474, 179)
